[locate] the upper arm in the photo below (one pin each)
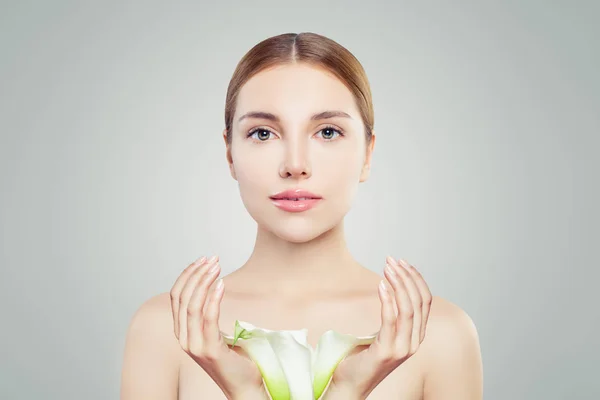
(455, 370)
(150, 364)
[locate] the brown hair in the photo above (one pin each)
(312, 48)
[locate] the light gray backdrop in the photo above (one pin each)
(113, 173)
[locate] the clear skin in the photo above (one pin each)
(301, 274)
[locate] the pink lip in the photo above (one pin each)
(295, 205)
(295, 194)
(283, 200)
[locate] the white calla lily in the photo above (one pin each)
(290, 367)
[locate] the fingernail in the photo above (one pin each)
(390, 270)
(382, 286)
(390, 260)
(212, 259)
(213, 268)
(199, 260)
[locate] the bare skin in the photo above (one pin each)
(159, 369)
(355, 310)
(301, 273)
(446, 366)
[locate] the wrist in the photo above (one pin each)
(342, 392)
(255, 394)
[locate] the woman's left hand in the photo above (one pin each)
(402, 331)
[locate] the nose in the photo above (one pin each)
(295, 162)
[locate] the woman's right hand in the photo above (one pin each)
(196, 322)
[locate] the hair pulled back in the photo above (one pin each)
(304, 47)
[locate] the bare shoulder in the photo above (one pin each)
(156, 304)
(452, 353)
(154, 319)
(449, 328)
(447, 315)
(150, 364)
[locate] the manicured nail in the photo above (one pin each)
(213, 268)
(390, 270)
(390, 260)
(213, 258)
(382, 287)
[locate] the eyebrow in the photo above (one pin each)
(314, 117)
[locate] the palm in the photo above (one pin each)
(352, 365)
(242, 367)
(404, 314)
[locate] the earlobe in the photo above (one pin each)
(224, 134)
(228, 156)
(366, 170)
(230, 162)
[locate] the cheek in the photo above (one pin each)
(248, 164)
(342, 168)
(336, 173)
(253, 172)
(250, 175)
(343, 178)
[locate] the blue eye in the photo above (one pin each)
(259, 130)
(332, 130)
(328, 133)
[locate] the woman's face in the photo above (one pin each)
(326, 156)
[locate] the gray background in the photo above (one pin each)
(114, 178)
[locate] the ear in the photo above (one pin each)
(228, 155)
(366, 169)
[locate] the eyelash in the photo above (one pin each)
(339, 131)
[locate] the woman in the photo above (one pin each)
(299, 124)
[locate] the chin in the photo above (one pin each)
(300, 230)
(298, 227)
(296, 235)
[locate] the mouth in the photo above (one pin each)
(295, 195)
(295, 200)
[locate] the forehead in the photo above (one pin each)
(295, 92)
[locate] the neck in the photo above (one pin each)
(321, 265)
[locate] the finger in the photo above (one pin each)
(387, 333)
(184, 299)
(195, 310)
(212, 334)
(176, 291)
(425, 295)
(417, 302)
(405, 309)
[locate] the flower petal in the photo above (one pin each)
(284, 359)
(331, 349)
(290, 367)
(258, 348)
(295, 359)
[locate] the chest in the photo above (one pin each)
(356, 318)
